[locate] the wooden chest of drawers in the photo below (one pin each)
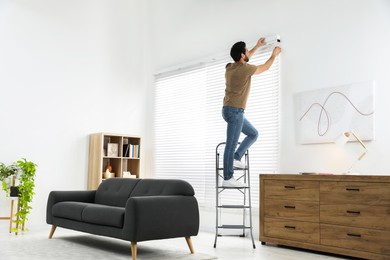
(341, 214)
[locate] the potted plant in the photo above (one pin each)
(25, 174)
(7, 173)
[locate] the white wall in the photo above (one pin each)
(67, 69)
(325, 44)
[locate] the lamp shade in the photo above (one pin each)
(342, 139)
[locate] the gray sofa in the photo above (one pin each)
(134, 210)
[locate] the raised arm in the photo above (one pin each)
(259, 43)
(263, 67)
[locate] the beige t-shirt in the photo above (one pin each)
(238, 84)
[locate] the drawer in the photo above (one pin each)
(355, 193)
(291, 189)
(360, 239)
(377, 217)
(290, 209)
(292, 230)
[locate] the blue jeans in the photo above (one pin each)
(236, 123)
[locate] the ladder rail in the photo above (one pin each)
(217, 175)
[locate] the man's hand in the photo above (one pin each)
(260, 42)
(276, 51)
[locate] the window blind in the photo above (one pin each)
(189, 125)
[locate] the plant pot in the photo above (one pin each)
(14, 191)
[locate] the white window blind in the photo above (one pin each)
(189, 125)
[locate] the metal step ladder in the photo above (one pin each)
(246, 206)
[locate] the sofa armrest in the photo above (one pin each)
(158, 217)
(59, 196)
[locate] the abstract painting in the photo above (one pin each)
(322, 115)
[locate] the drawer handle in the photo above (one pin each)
(289, 207)
(289, 187)
(353, 212)
(354, 235)
(352, 189)
(289, 227)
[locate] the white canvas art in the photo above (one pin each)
(322, 115)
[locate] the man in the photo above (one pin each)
(238, 81)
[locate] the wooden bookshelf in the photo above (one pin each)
(121, 152)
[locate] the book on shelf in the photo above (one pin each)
(133, 151)
(126, 150)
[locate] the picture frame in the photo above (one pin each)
(112, 150)
(323, 114)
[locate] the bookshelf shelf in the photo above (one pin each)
(120, 152)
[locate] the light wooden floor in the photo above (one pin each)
(234, 247)
(91, 247)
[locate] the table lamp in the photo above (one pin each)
(343, 138)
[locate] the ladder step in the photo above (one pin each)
(223, 187)
(234, 227)
(234, 207)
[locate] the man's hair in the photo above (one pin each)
(237, 49)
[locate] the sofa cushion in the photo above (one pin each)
(69, 209)
(90, 213)
(156, 187)
(104, 215)
(115, 191)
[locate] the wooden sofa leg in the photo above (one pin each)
(134, 250)
(53, 228)
(189, 243)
